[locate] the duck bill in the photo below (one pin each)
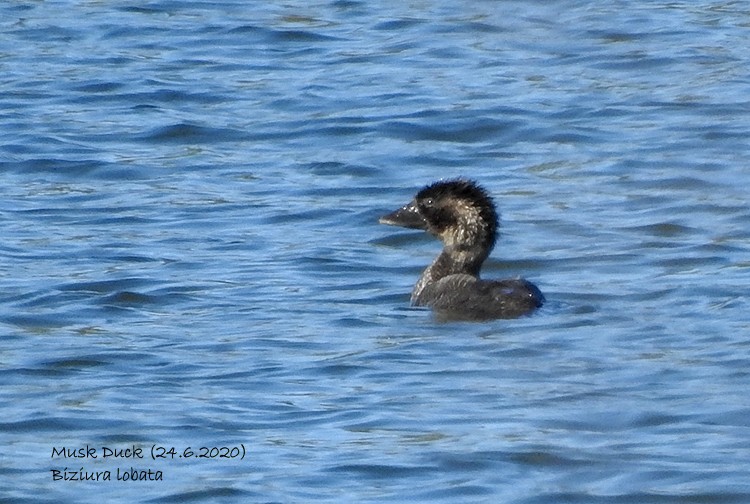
(407, 216)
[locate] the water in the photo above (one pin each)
(191, 256)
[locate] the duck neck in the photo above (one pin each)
(451, 261)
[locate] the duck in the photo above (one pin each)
(462, 215)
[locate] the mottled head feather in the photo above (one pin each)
(446, 203)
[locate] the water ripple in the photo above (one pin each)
(191, 254)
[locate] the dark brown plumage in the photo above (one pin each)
(462, 215)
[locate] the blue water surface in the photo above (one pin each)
(190, 255)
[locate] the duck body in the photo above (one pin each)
(462, 215)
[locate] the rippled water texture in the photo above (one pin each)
(190, 253)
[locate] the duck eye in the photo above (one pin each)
(429, 202)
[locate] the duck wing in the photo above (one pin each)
(465, 297)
